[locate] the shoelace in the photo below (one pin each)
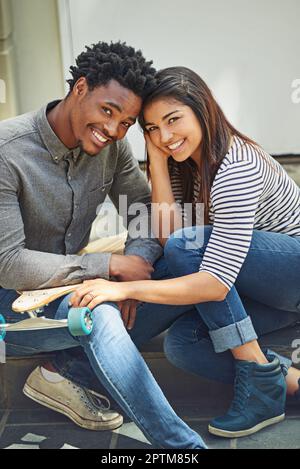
(241, 392)
(97, 399)
(91, 399)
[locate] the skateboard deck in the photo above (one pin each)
(34, 299)
(79, 321)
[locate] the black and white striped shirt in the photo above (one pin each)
(250, 191)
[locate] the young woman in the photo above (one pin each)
(243, 262)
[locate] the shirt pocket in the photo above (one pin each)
(95, 198)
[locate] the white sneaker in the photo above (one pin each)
(81, 405)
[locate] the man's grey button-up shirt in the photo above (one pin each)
(48, 200)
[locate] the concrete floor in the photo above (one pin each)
(45, 429)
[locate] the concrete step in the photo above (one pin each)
(176, 384)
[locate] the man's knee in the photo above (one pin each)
(184, 333)
(107, 320)
(175, 342)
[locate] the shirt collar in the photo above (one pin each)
(54, 145)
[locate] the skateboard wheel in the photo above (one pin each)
(2, 330)
(80, 321)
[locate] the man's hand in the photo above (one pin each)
(128, 312)
(129, 268)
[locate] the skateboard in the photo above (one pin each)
(79, 321)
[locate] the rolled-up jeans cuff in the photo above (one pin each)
(233, 335)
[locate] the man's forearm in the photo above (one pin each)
(29, 270)
(147, 248)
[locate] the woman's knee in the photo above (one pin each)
(185, 244)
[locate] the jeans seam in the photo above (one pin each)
(23, 347)
(233, 321)
(278, 251)
(240, 331)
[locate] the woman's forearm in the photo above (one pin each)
(190, 289)
(166, 216)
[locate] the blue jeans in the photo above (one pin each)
(110, 356)
(266, 291)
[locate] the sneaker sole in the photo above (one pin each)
(249, 431)
(59, 407)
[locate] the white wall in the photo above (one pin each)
(247, 51)
(38, 62)
(8, 101)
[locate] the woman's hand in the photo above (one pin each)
(95, 292)
(155, 154)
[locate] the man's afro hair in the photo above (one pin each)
(103, 62)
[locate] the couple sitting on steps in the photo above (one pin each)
(230, 275)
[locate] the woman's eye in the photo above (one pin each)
(173, 119)
(151, 129)
(126, 124)
(107, 111)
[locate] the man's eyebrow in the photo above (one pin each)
(164, 118)
(118, 108)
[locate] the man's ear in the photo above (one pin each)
(80, 88)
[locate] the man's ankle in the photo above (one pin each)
(48, 366)
(51, 376)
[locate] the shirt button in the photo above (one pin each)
(69, 235)
(70, 178)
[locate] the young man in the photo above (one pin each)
(56, 166)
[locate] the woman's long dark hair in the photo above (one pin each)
(185, 86)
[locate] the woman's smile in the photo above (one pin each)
(177, 146)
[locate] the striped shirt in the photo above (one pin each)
(250, 191)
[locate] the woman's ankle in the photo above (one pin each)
(250, 352)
